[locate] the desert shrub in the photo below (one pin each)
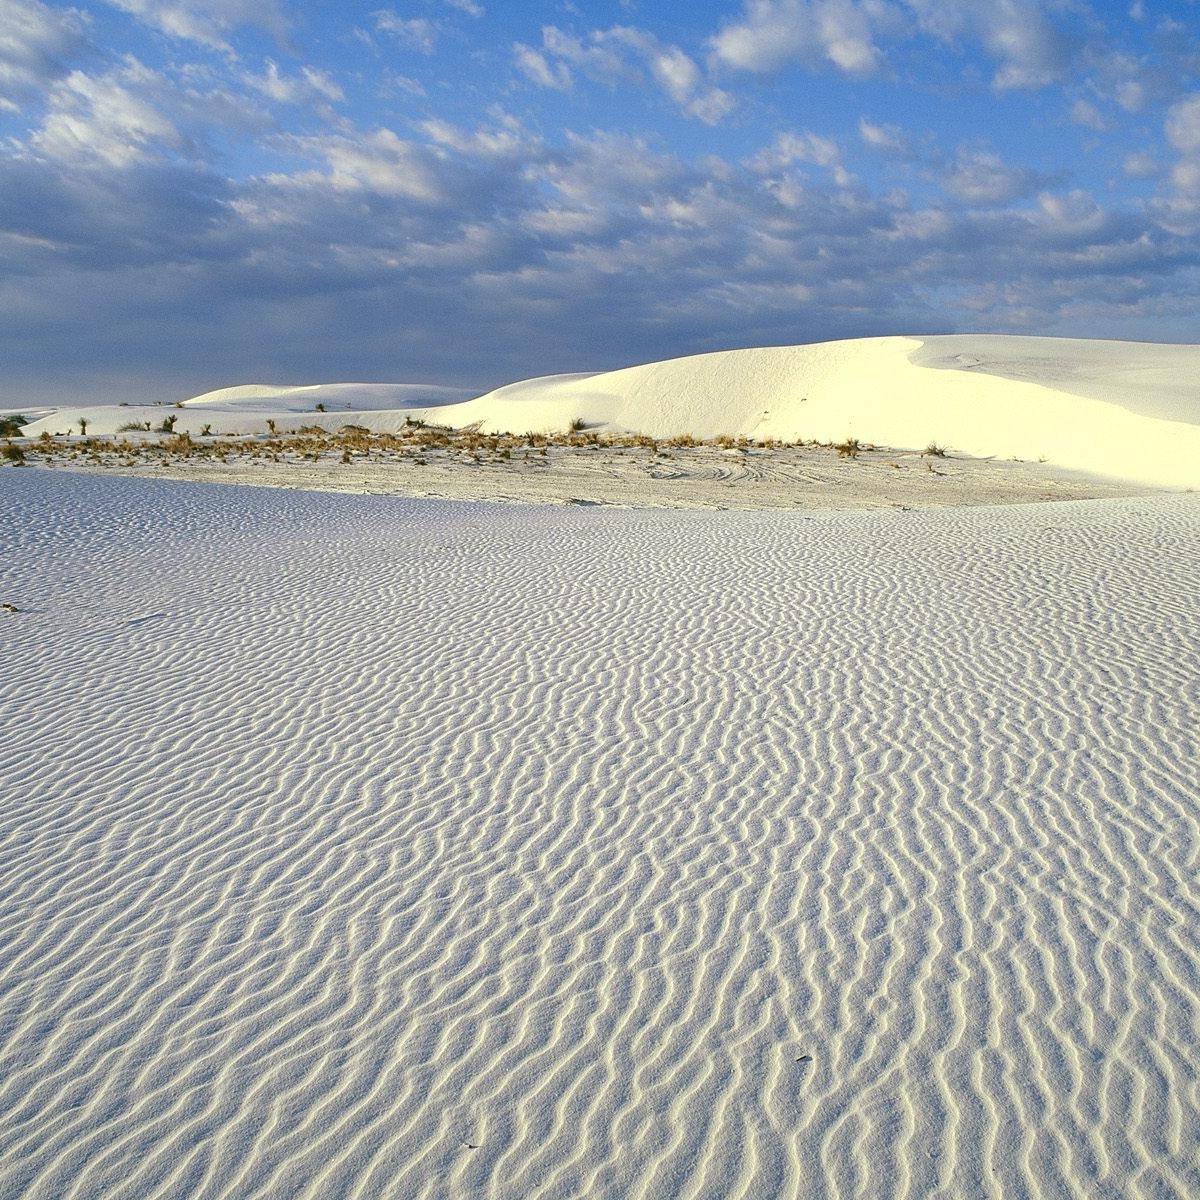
(683, 440)
(414, 423)
(168, 424)
(271, 426)
(83, 426)
(578, 425)
(206, 431)
(318, 407)
(13, 453)
(10, 424)
(850, 448)
(933, 450)
(133, 427)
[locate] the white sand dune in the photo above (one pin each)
(247, 409)
(343, 397)
(359, 847)
(1121, 410)
(1118, 409)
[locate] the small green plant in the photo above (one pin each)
(413, 423)
(578, 425)
(168, 424)
(319, 408)
(933, 450)
(134, 427)
(10, 424)
(83, 426)
(271, 426)
(13, 454)
(206, 431)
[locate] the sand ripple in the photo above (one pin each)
(356, 847)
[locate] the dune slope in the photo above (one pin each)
(362, 847)
(1122, 410)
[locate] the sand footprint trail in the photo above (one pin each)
(434, 850)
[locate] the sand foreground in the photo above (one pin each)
(358, 846)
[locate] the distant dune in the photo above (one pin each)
(1123, 410)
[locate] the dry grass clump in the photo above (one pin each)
(414, 443)
(934, 450)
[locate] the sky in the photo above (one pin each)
(199, 193)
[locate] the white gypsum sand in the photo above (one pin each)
(577, 471)
(353, 846)
(1128, 411)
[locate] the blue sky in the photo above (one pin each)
(195, 193)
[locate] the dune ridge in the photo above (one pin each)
(1118, 410)
(381, 847)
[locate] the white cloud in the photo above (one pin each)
(379, 162)
(772, 33)
(1180, 209)
(847, 34)
(1085, 113)
(310, 85)
(1131, 96)
(105, 119)
(791, 148)
(418, 33)
(980, 177)
(1075, 213)
(467, 6)
(508, 140)
(676, 74)
(34, 41)
(1029, 50)
(209, 22)
(534, 65)
(1183, 125)
(887, 139)
(1140, 165)
(619, 53)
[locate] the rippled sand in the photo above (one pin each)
(362, 846)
